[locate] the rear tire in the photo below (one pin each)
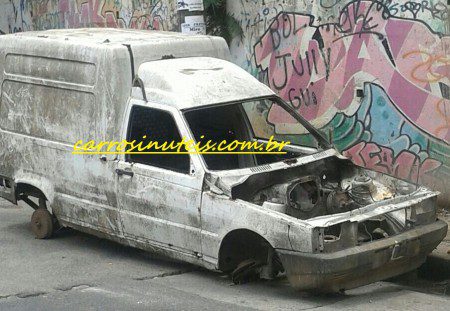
(42, 223)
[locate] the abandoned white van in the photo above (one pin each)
(308, 213)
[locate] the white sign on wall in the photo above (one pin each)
(191, 5)
(194, 25)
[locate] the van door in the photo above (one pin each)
(159, 194)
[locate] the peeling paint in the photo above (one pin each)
(265, 214)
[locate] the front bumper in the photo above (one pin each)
(364, 264)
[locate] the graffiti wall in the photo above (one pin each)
(24, 15)
(374, 75)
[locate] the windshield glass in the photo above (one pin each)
(261, 120)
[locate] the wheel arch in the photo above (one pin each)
(38, 187)
(239, 244)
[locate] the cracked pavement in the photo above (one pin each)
(76, 271)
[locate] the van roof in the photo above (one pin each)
(85, 43)
(109, 35)
(198, 82)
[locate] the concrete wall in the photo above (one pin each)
(317, 54)
(25, 15)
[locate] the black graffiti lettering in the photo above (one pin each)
(393, 9)
(305, 98)
(258, 19)
(356, 18)
(247, 27)
(412, 7)
(332, 3)
(275, 35)
(294, 99)
(368, 16)
(307, 62)
(438, 10)
(424, 6)
(350, 19)
(314, 97)
(285, 79)
(326, 57)
(297, 28)
(383, 8)
(308, 100)
(425, 3)
(287, 26)
(313, 53)
(345, 20)
(300, 73)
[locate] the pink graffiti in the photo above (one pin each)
(107, 13)
(318, 68)
(405, 165)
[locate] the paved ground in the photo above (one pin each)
(75, 271)
(439, 261)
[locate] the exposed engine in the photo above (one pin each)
(312, 196)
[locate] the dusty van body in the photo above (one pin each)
(311, 213)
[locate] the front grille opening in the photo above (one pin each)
(374, 229)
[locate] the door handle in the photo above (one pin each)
(124, 172)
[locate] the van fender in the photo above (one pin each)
(39, 182)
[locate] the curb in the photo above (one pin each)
(437, 265)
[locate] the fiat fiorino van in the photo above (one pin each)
(307, 212)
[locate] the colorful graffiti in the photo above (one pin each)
(378, 81)
(435, 12)
(11, 18)
(379, 137)
(366, 45)
(23, 15)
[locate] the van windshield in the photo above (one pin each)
(261, 120)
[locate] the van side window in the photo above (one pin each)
(152, 125)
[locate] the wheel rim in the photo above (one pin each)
(41, 224)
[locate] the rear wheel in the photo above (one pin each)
(247, 271)
(42, 223)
